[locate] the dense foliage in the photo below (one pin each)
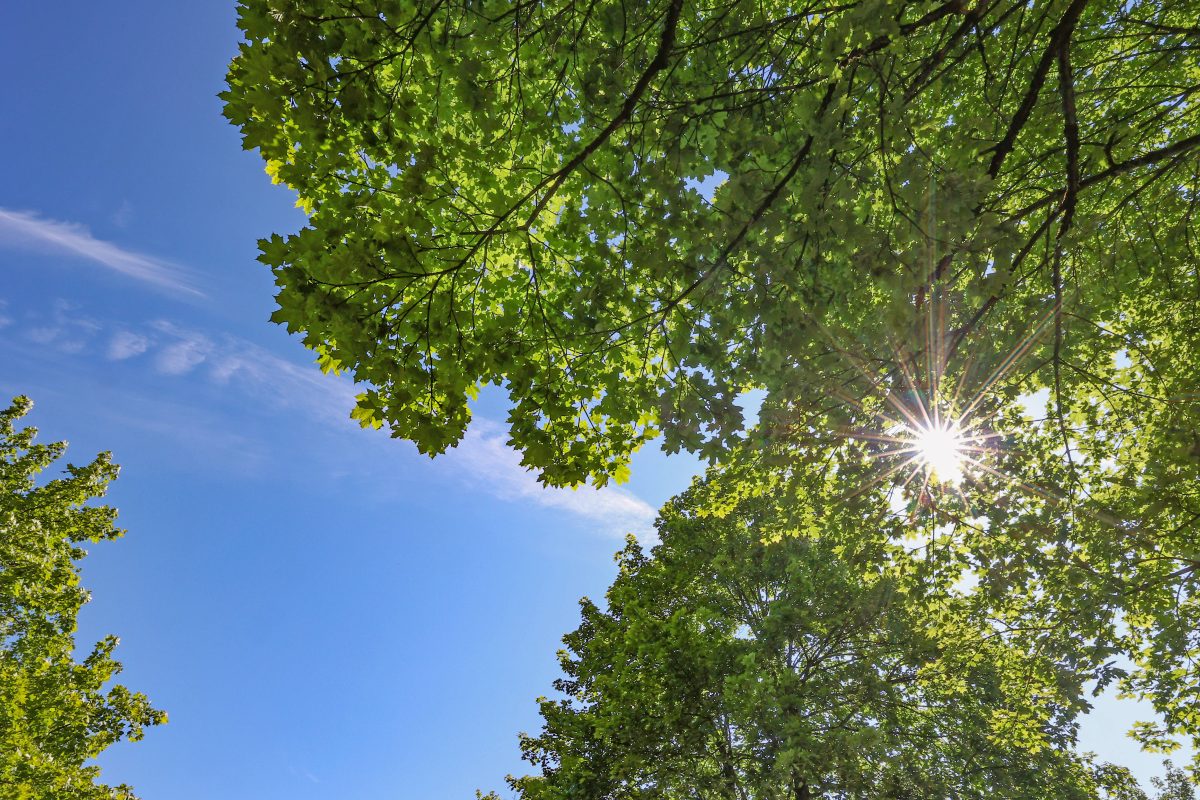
(919, 206)
(56, 713)
(504, 193)
(753, 656)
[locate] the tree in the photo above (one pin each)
(925, 211)
(1120, 784)
(747, 657)
(1174, 785)
(505, 193)
(56, 713)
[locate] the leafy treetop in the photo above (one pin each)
(56, 714)
(920, 204)
(506, 193)
(755, 654)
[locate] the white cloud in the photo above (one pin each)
(483, 459)
(27, 228)
(44, 335)
(229, 361)
(126, 344)
(187, 350)
(243, 369)
(181, 357)
(68, 331)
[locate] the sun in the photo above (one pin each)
(930, 426)
(940, 447)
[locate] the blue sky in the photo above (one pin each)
(323, 612)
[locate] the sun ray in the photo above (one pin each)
(1023, 486)
(899, 452)
(1012, 359)
(878, 479)
(915, 413)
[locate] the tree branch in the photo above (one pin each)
(661, 59)
(1058, 39)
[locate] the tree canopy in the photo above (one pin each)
(886, 216)
(753, 656)
(56, 713)
(506, 193)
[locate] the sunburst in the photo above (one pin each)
(934, 434)
(941, 449)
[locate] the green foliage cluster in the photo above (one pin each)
(921, 203)
(56, 713)
(754, 655)
(730, 666)
(502, 193)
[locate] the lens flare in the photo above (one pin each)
(941, 448)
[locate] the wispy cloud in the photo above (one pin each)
(123, 215)
(485, 460)
(25, 228)
(303, 773)
(243, 366)
(67, 330)
(482, 460)
(127, 344)
(184, 351)
(250, 375)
